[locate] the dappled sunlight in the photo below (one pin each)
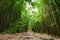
(30, 9)
(35, 12)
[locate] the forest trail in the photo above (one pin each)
(27, 36)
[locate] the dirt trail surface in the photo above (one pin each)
(27, 36)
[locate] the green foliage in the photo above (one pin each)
(10, 13)
(39, 15)
(50, 24)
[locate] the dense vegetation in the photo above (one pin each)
(38, 15)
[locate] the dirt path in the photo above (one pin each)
(27, 36)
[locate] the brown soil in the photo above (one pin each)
(27, 36)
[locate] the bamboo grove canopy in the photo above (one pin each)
(37, 15)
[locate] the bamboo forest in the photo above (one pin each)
(29, 19)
